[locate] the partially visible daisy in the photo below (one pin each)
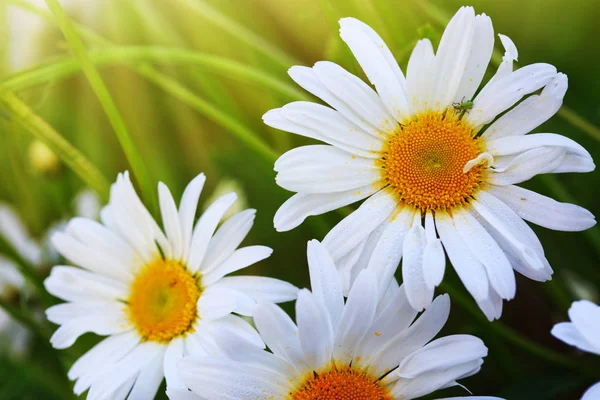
(13, 336)
(582, 332)
(436, 163)
(157, 294)
(365, 348)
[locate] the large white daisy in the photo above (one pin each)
(435, 167)
(157, 295)
(365, 348)
(582, 332)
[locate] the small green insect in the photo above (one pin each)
(462, 107)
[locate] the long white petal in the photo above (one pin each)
(314, 330)
(325, 281)
(303, 205)
(356, 94)
(241, 258)
(531, 112)
(204, 229)
(544, 211)
(451, 57)
(502, 93)
(541, 160)
(479, 58)
(171, 220)
(419, 75)
(467, 266)
(517, 144)
(485, 248)
(378, 64)
(187, 211)
(418, 293)
(358, 225)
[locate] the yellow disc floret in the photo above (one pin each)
(341, 383)
(425, 159)
(162, 301)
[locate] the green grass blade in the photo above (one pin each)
(20, 113)
(241, 33)
(63, 68)
(103, 95)
(178, 91)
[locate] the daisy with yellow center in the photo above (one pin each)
(158, 295)
(435, 158)
(370, 347)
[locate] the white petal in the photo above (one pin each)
(227, 238)
(74, 284)
(261, 288)
(15, 232)
(171, 220)
(397, 315)
(492, 305)
(593, 393)
(240, 327)
(425, 328)
(279, 332)
(479, 58)
(314, 330)
(487, 251)
(173, 356)
(430, 382)
(434, 259)
(568, 333)
(220, 378)
(575, 163)
(212, 305)
(325, 281)
(205, 228)
(502, 93)
(418, 293)
(147, 383)
(541, 160)
(442, 354)
(356, 94)
(303, 205)
(324, 169)
(468, 267)
(531, 112)
(187, 211)
(419, 75)
(357, 317)
(307, 79)
(123, 371)
(322, 123)
(517, 144)
(451, 57)
(178, 394)
(107, 352)
(358, 225)
(544, 211)
(508, 236)
(241, 258)
(387, 252)
(378, 64)
(108, 322)
(100, 262)
(585, 315)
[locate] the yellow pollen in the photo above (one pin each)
(424, 162)
(162, 301)
(341, 384)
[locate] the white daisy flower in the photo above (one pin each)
(157, 295)
(365, 348)
(436, 163)
(582, 332)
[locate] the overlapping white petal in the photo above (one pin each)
(127, 365)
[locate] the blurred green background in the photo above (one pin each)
(214, 68)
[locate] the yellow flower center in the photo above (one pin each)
(162, 301)
(341, 383)
(425, 158)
